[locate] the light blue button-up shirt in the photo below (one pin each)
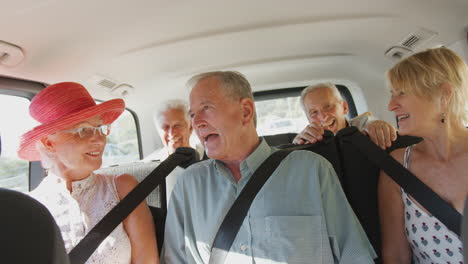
(299, 216)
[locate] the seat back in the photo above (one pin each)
(360, 181)
(358, 176)
(29, 233)
(139, 170)
(326, 148)
(280, 139)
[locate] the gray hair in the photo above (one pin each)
(47, 158)
(314, 87)
(233, 83)
(177, 104)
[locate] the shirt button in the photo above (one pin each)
(243, 247)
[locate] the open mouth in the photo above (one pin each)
(402, 117)
(174, 141)
(210, 137)
(329, 124)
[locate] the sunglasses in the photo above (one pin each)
(87, 132)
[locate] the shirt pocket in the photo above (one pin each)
(296, 239)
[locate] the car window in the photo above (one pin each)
(278, 116)
(122, 143)
(15, 120)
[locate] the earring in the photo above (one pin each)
(442, 118)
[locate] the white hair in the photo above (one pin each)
(47, 158)
(176, 104)
(336, 93)
(233, 83)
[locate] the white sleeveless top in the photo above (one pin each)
(78, 212)
(430, 240)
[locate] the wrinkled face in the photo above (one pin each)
(75, 155)
(325, 109)
(414, 114)
(174, 130)
(217, 120)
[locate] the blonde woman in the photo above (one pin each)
(429, 99)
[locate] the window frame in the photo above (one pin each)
(26, 89)
(138, 129)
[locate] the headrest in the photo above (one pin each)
(29, 232)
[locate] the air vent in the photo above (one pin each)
(418, 39)
(107, 83)
(112, 86)
(411, 41)
(103, 82)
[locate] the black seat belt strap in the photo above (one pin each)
(85, 248)
(238, 211)
(430, 200)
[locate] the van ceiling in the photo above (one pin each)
(153, 43)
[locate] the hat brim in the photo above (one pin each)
(110, 111)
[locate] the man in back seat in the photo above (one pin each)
(299, 216)
(172, 121)
(326, 109)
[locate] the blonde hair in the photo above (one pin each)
(423, 73)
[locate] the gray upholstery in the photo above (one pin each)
(280, 139)
(139, 170)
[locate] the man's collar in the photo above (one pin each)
(251, 163)
(256, 158)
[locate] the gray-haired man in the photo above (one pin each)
(172, 121)
(174, 128)
(326, 110)
(299, 216)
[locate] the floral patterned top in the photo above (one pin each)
(430, 240)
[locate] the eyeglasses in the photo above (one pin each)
(87, 132)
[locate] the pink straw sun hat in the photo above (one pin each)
(60, 106)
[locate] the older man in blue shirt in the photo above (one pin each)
(299, 216)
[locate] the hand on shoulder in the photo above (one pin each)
(381, 133)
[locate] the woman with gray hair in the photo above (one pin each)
(70, 141)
